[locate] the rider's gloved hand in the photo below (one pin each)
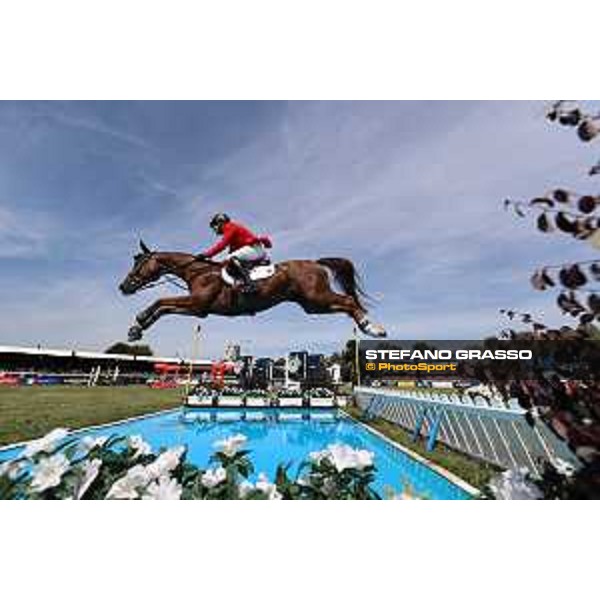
(201, 256)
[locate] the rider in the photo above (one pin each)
(245, 247)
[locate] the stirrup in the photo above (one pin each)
(248, 287)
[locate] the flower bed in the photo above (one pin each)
(231, 396)
(201, 396)
(290, 398)
(258, 398)
(321, 397)
(118, 468)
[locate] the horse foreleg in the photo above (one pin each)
(186, 305)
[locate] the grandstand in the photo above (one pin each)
(26, 365)
(21, 365)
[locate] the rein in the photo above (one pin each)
(170, 270)
(167, 280)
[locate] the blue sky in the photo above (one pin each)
(411, 191)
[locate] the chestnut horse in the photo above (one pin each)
(305, 282)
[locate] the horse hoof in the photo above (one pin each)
(372, 329)
(378, 331)
(135, 333)
(375, 330)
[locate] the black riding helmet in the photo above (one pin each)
(218, 220)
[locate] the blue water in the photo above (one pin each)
(280, 436)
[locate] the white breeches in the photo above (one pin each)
(249, 253)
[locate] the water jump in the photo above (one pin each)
(245, 283)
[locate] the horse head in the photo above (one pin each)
(146, 269)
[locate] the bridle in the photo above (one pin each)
(166, 272)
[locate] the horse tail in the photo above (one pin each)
(346, 277)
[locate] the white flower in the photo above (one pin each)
(514, 485)
(231, 445)
(262, 485)
(266, 487)
(166, 462)
(127, 487)
(563, 467)
(91, 468)
(139, 476)
(213, 477)
(344, 457)
(49, 471)
(89, 442)
(318, 456)
(165, 489)
(11, 468)
(136, 442)
(245, 489)
(45, 444)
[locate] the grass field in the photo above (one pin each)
(30, 412)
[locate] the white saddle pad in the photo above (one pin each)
(257, 273)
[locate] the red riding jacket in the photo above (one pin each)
(236, 236)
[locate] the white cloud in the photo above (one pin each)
(93, 126)
(24, 234)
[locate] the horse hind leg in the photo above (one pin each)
(333, 302)
(371, 329)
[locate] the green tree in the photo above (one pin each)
(133, 349)
(348, 361)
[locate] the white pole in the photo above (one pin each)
(195, 346)
(356, 361)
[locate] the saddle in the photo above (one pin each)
(257, 270)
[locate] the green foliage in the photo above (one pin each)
(347, 360)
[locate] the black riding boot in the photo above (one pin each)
(248, 286)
